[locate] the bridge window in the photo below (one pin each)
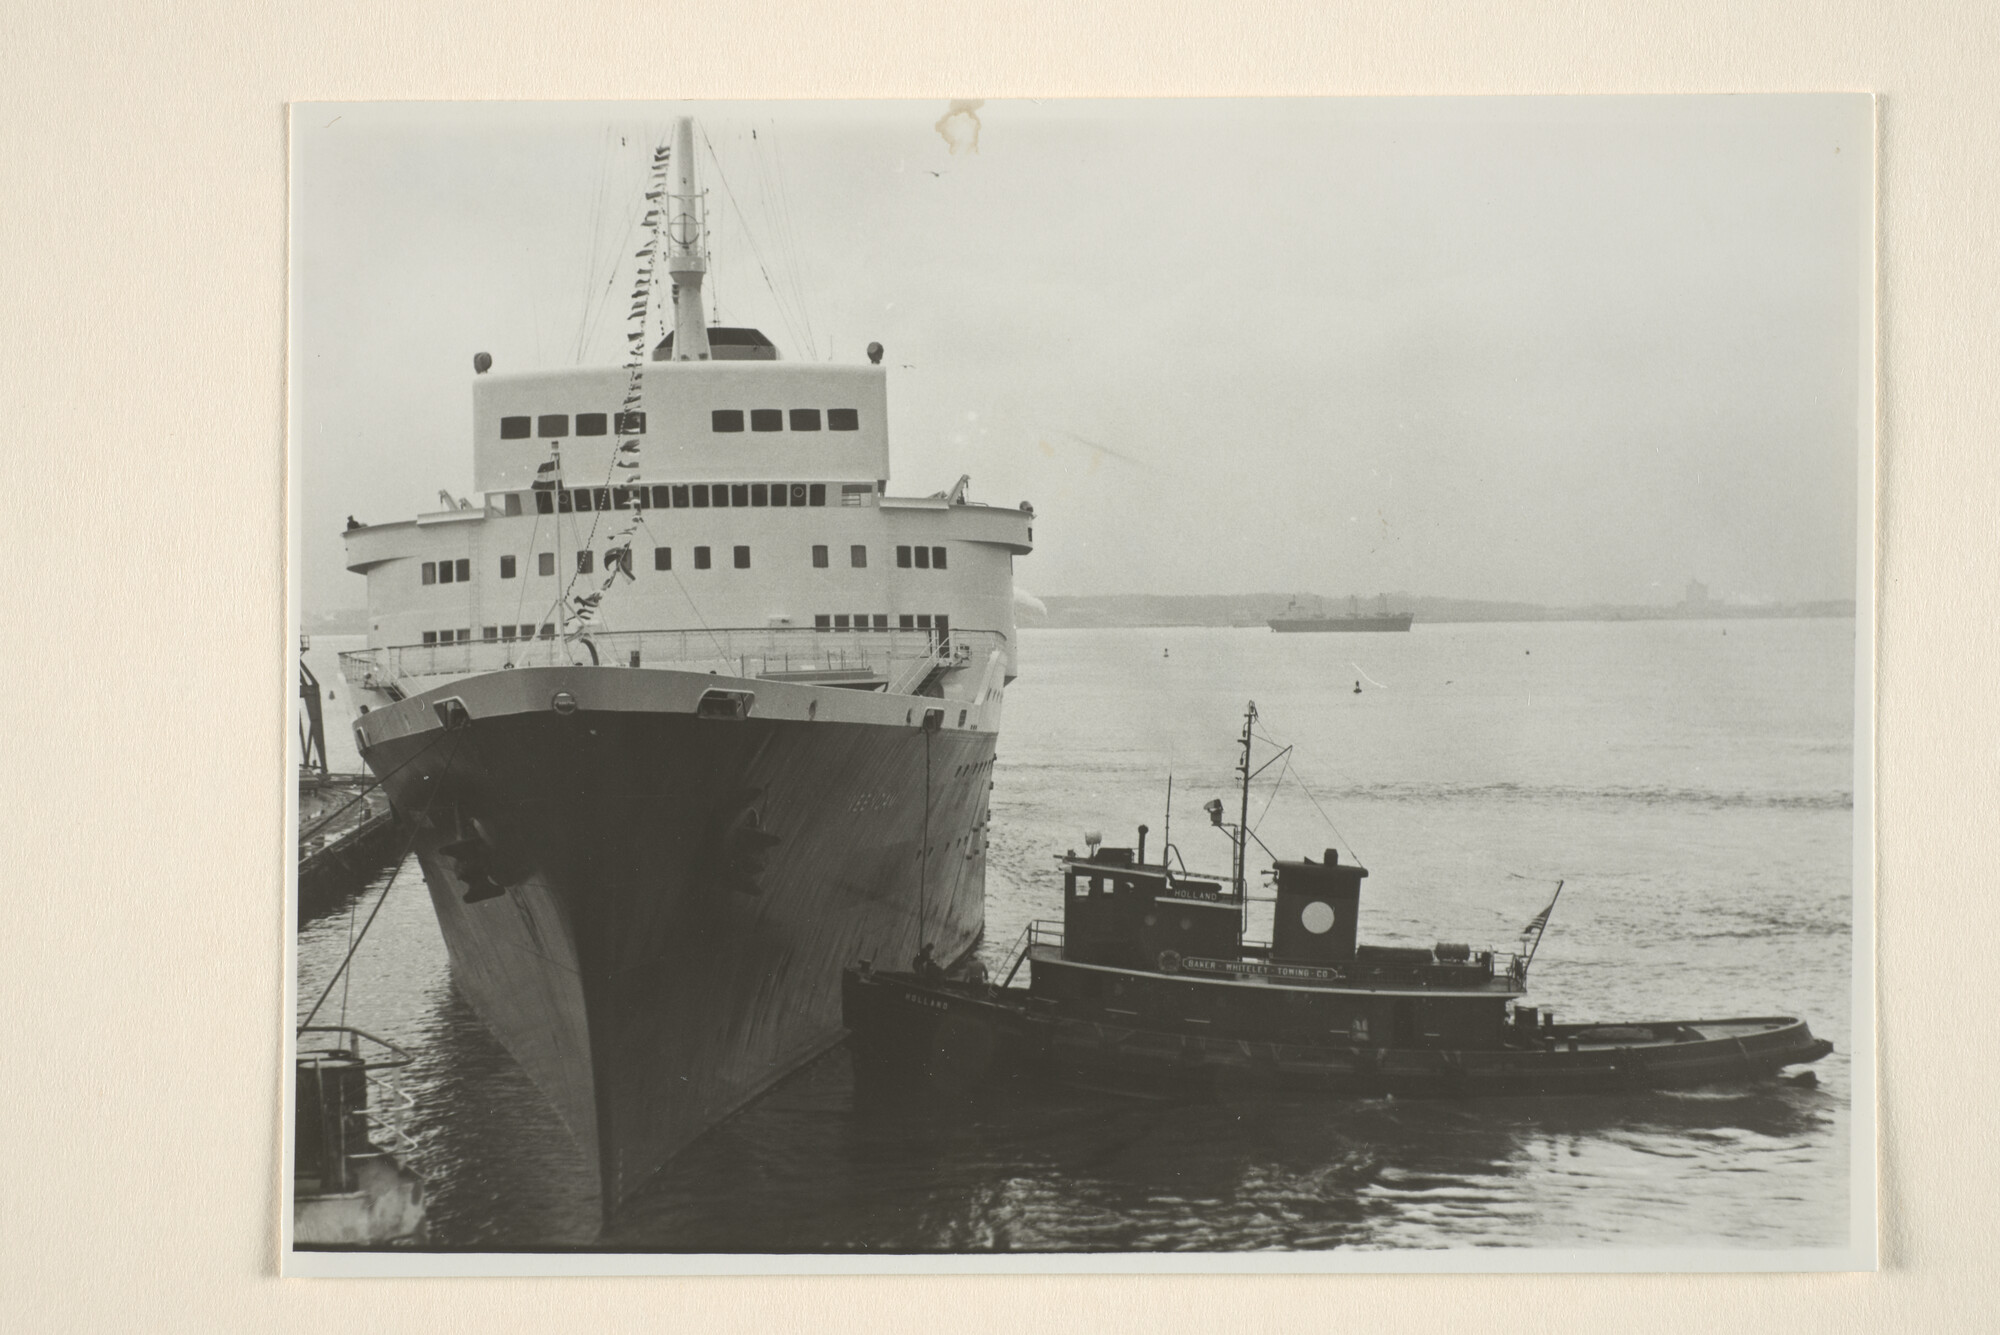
(549, 425)
(805, 419)
(760, 493)
(798, 493)
(700, 496)
(742, 558)
(663, 558)
(565, 502)
(701, 558)
(632, 424)
(923, 555)
(739, 495)
(511, 505)
(514, 428)
(590, 424)
(857, 556)
(816, 494)
(819, 557)
(937, 558)
(726, 419)
(843, 419)
(580, 500)
(902, 558)
(603, 497)
(586, 560)
(444, 572)
(545, 503)
(430, 572)
(719, 493)
(621, 498)
(545, 563)
(506, 567)
(767, 419)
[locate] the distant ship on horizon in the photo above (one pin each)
(1353, 621)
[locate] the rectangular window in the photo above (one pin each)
(490, 633)
(819, 557)
(701, 558)
(444, 572)
(431, 636)
(857, 556)
(659, 497)
(603, 498)
(760, 494)
(680, 498)
(798, 490)
(742, 558)
(805, 419)
(585, 561)
(943, 624)
(550, 425)
(881, 621)
(663, 558)
(726, 419)
(632, 424)
(861, 621)
(937, 558)
(580, 500)
(464, 634)
(565, 502)
(840, 621)
(923, 555)
(906, 622)
(465, 570)
(507, 632)
(718, 493)
(545, 503)
(700, 495)
(511, 505)
(590, 424)
(767, 419)
(816, 494)
(822, 622)
(545, 563)
(548, 630)
(739, 494)
(514, 428)
(902, 558)
(923, 621)
(843, 419)
(506, 567)
(621, 498)
(430, 572)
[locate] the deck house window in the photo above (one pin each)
(663, 558)
(545, 503)
(760, 493)
(881, 621)
(565, 502)
(923, 621)
(430, 637)
(632, 424)
(742, 558)
(490, 633)
(822, 622)
(719, 493)
(937, 558)
(840, 621)
(805, 419)
(662, 497)
(700, 495)
(445, 575)
(726, 419)
(819, 557)
(580, 500)
(511, 505)
(816, 494)
(902, 558)
(586, 560)
(464, 570)
(923, 555)
(464, 634)
(514, 428)
(767, 419)
(739, 495)
(430, 572)
(548, 630)
(857, 556)
(550, 425)
(778, 493)
(603, 498)
(590, 424)
(906, 622)
(701, 558)
(621, 498)
(506, 567)
(545, 563)
(843, 419)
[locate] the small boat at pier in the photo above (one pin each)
(1148, 986)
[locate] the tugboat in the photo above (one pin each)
(1148, 986)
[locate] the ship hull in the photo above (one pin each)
(651, 908)
(1322, 625)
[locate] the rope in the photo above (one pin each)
(387, 886)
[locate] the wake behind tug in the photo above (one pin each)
(1148, 987)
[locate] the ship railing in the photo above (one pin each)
(1041, 932)
(900, 660)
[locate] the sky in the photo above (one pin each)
(1555, 350)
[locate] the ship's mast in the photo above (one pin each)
(687, 259)
(1243, 819)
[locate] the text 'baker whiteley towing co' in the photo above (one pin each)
(687, 716)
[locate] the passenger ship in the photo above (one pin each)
(687, 710)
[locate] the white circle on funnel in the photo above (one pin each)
(1316, 917)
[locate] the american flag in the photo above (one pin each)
(1540, 921)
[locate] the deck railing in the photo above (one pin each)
(901, 660)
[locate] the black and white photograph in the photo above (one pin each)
(957, 685)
